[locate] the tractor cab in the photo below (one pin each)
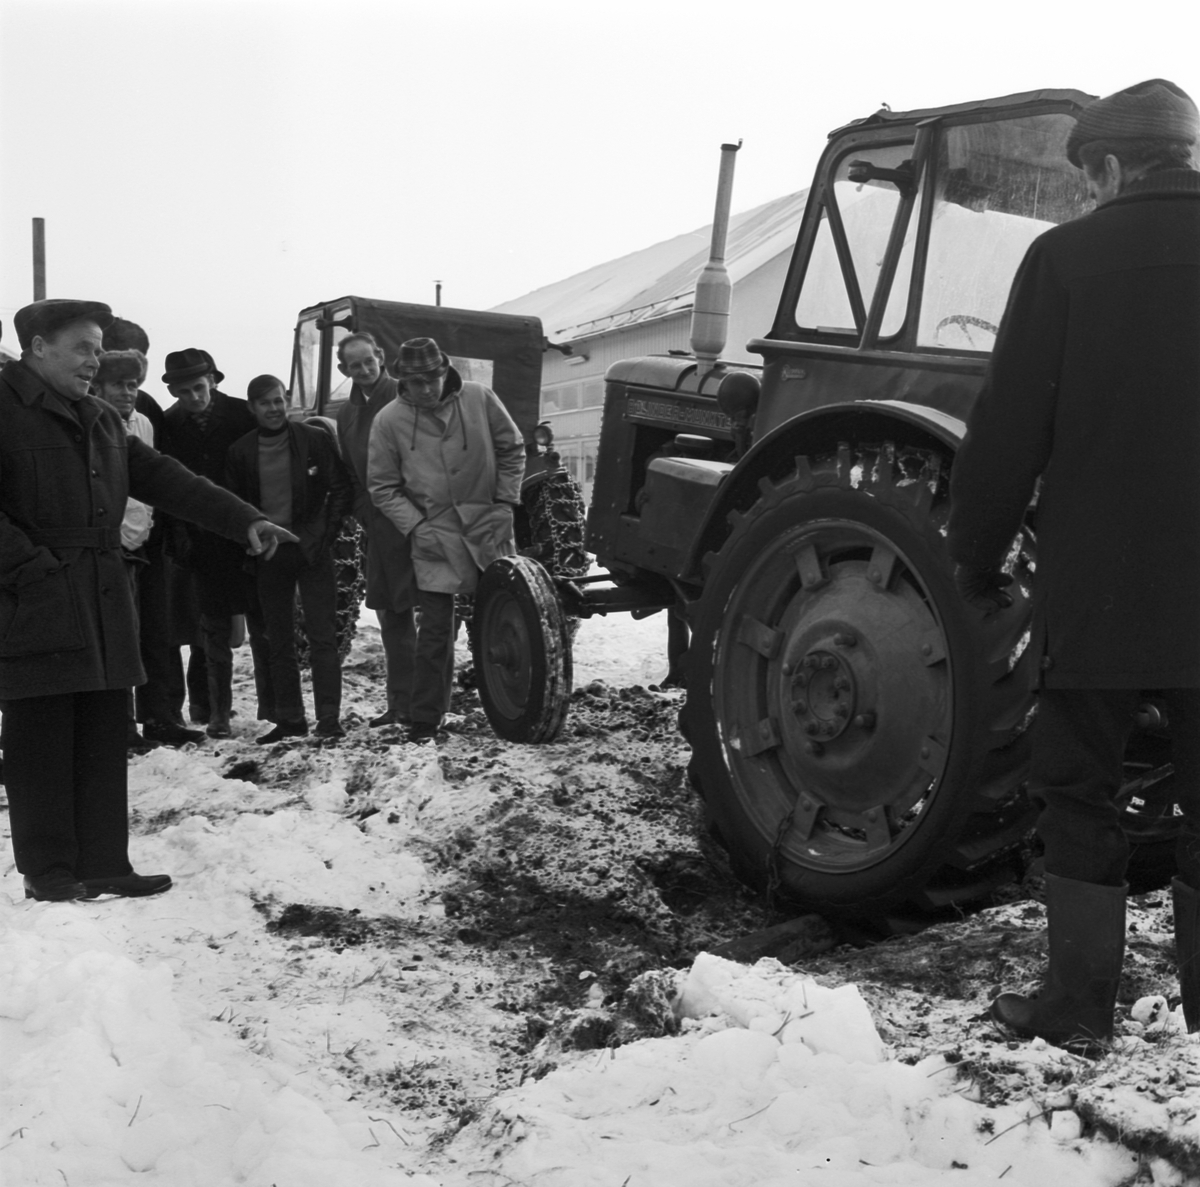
(500, 350)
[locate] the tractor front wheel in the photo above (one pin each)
(522, 651)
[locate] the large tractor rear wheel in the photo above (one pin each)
(522, 651)
(857, 728)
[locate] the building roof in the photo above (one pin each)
(660, 279)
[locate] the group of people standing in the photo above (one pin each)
(127, 531)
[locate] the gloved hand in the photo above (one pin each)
(984, 587)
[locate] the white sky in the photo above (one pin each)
(209, 168)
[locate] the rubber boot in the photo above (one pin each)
(1187, 949)
(220, 699)
(1086, 927)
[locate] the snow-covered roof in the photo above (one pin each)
(659, 279)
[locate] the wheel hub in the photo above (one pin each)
(824, 693)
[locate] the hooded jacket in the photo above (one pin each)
(448, 477)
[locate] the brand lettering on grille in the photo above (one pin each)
(677, 414)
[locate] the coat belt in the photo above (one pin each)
(101, 538)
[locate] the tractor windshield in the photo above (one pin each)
(999, 186)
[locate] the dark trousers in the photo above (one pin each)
(183, 630)
(433, 663)
(1079, 739)
(273, 635)
(398, 633)
(65, 772)
(154, 635)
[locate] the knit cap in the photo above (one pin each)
(1156, 108)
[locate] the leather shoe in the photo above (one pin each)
(167, 733)
(285, 729)
(57, 886)
(128, 885)
(329, 727)
(388, 717)
(422, 731)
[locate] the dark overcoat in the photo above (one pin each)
(67, 619)
(390, 581)
(321, 491)
(1095, 386)
(221, 584)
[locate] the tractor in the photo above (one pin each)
(859, 733)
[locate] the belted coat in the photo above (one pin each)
(449, 477)
(1094, 385)
(67, 618)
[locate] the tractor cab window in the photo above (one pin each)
(999, 186)
(306, 364)
(834, 300)
(339, 384)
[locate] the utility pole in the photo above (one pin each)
(39, 259)
(437, 292)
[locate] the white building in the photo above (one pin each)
(641, 304)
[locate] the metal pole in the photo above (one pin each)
(437, 292)
(39, 259)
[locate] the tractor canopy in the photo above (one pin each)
(501, 350)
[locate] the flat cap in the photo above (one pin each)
(1156, 109)
(43, 318)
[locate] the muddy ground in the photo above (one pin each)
(572, 880)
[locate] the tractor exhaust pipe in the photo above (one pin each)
(710, 309)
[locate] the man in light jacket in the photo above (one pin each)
(445, 463)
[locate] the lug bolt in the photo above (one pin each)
(801, 706)
(812, 728)
(924, 751)
(842, 684)
(872, 816)
(842, 710)
(802, 677)
(828, 662)
(865, 721)
(926, 649)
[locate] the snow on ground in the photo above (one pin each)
(349, 984)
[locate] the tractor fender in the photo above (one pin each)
(818, 430)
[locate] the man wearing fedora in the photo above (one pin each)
(391, 591)
(445, 462)
(198, 430)
(68, 628)
(1094, 388)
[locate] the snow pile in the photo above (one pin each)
(106, 1077)
(774, 1081)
